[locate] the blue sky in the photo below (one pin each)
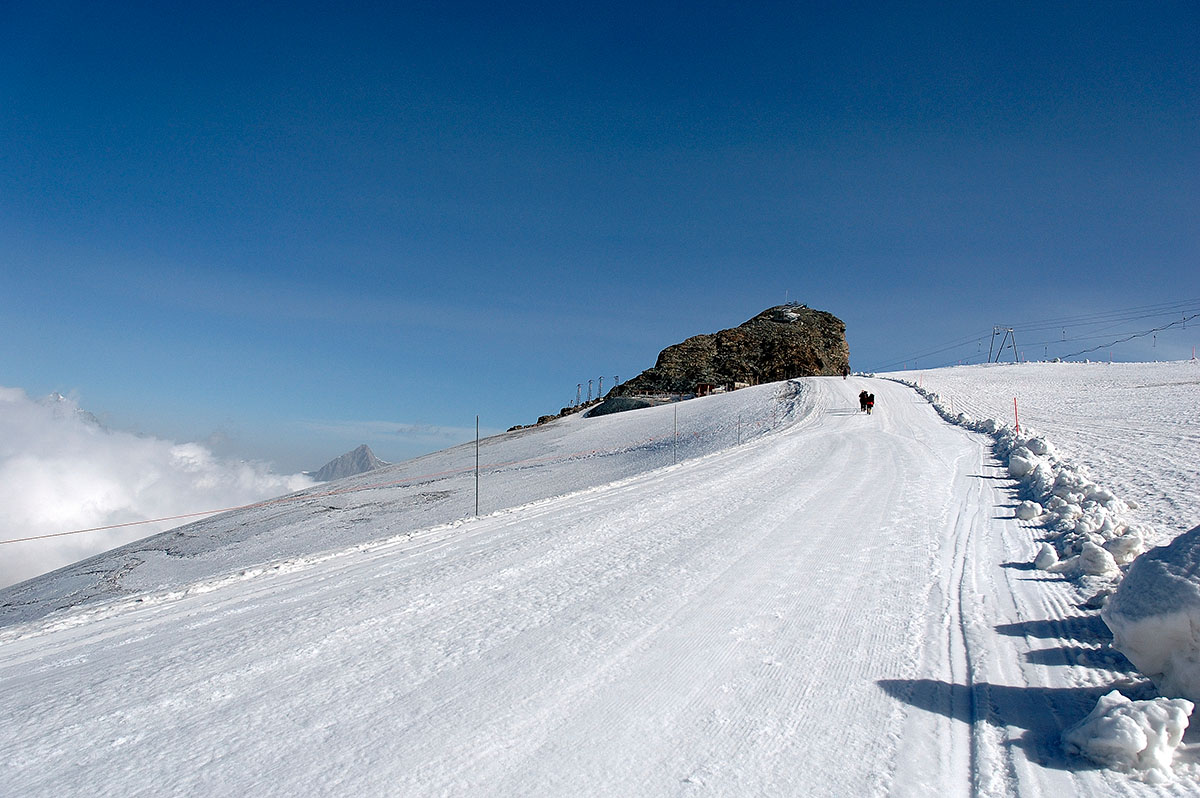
(289, 230)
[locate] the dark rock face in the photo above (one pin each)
(358, 461)
(780, 343)
(566, 411)
(619, 404)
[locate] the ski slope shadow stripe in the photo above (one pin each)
(1081, 628)
(1110, 658)
(1041, 713)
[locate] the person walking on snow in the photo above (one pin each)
(862, 401)
(870, 403)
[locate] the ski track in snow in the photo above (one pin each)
(839, 607)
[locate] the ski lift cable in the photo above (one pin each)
(1141, 334)
(1126, 314)
(1112, 318)
(957, 344)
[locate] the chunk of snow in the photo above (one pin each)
(1021, 463)
(1155, 615)
(1091, 560)
(1040, 446)
(1132, 736)
(1127, 547)
(1046, 558)
(1096, 561)
(1027, 510)
(1041, 481)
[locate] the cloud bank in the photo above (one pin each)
(61, 470)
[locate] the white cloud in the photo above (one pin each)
(60, 471)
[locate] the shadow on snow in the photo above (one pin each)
(1081, 628)
(1041, 713)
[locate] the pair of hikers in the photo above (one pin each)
(866, 402)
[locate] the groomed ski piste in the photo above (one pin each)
(759, 593)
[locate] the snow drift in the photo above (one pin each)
(1155, 616)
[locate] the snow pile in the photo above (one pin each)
(1090, 534)
(1155, 616)
(1132, 736)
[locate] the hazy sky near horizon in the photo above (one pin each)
(287, 229)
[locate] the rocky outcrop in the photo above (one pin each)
(780, 343)
(566, 411)
(358, 461)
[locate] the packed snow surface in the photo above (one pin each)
(788, 597)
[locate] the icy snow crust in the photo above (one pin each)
(840, 605)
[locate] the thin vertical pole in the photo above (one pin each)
(1016, 418)
(476, 466)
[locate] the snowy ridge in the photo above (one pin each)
(1090, 533)
(356, 461)
(1135, 425)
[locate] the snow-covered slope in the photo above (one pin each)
(515, 468)
(840, 605)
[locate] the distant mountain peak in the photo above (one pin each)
(358, 461)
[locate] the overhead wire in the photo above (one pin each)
(1111, 319)
(1124, 314)
(1141, 334)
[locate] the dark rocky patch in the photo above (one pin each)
(619, 404)
(780, 343)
